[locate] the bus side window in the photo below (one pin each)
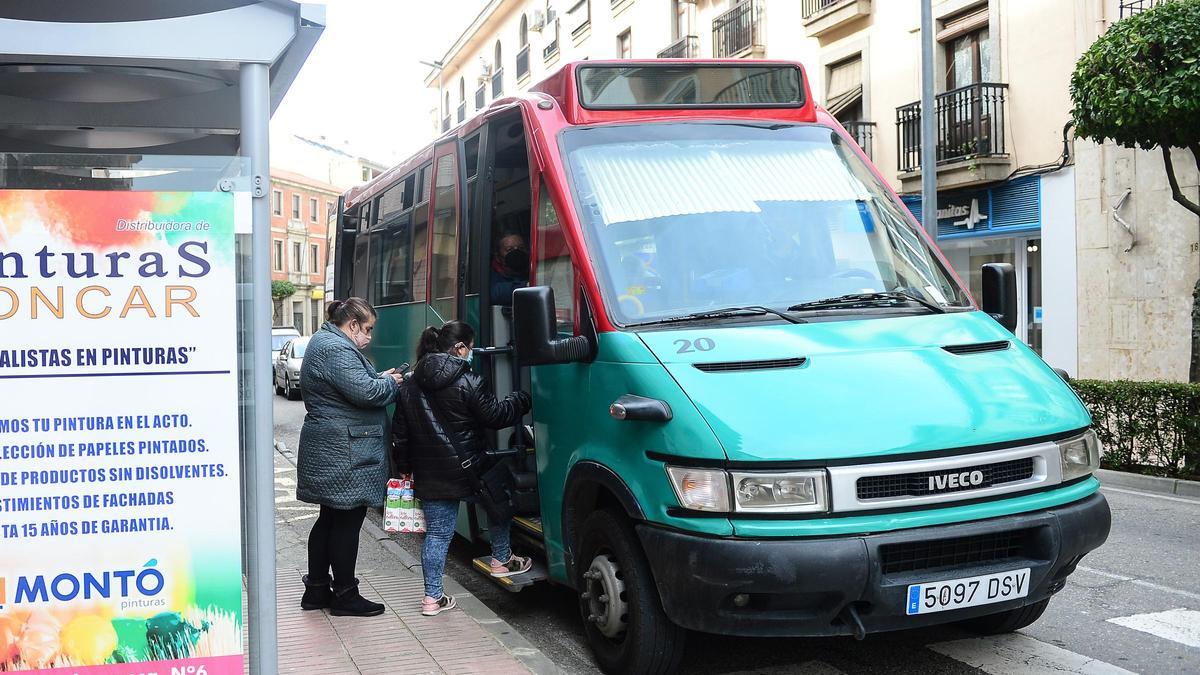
(471, 222)
(420, 233)
(361, 261)
(554, 263)
(391, 248)
(444, 264)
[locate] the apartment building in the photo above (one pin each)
(300, 210)
(1013, 184)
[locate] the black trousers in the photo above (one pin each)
(333, 545)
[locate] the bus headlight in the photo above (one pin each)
(1080, 455)
(791, 492)
(700, 489)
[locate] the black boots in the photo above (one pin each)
(317, 595)
(347, 602)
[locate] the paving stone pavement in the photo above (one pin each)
(467, 640)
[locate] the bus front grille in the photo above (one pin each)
(924, 483)
(938, 553)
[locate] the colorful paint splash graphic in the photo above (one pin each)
(89, 219)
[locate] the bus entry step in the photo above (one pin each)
(537, 573)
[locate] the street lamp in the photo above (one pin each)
(440, 68)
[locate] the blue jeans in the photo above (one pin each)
(440, 518)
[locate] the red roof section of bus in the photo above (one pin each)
(561, 86)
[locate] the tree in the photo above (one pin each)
(279, 291)
(1139, 85)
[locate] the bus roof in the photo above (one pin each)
(616, 91)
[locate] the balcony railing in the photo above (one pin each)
(863, 134)
(1131, 7)
(739, 31)
(481, 97)
(498, 83)
(462, 111)
(810, 7)
(446, 123)
(684, 48)
(523, 62)
(969, 122)
(550, 50)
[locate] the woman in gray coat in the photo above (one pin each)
(343, 457)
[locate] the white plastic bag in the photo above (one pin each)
(402, 512)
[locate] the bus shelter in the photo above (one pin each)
(136, 312)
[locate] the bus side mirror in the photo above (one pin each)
(535, 335)
(1000, 294)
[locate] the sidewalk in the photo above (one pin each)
(468, 640)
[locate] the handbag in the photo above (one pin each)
(493, 484)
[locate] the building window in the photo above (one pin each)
(497, 71)
(297, 263)
(313, 255)
(316, 316)
(968, 46)
(625, 45)
(586, 22)
(844, 100)
(329, 210)
(278, 256)
(681, 27)
(523, 51)
(295, 206)
(366, 174)
(277, 202)
(312, 209)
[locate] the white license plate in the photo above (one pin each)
(939, 596)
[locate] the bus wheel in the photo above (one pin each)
(622, 614)
(1007, 622)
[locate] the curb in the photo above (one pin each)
(508, 637)
(1137, 481)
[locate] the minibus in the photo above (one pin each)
(763, 403)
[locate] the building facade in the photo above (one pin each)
(1013, 184)
(300, 210)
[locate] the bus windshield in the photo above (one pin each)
(688, 217)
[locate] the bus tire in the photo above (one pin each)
(1007, 622)
(628, 632)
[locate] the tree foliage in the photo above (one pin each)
(1139, 85)
(282, 289)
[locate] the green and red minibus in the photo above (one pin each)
(764, 404)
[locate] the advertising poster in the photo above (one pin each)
(119, 488)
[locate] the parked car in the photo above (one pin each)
(287, 368)
(280, 335)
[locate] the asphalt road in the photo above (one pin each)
(1133, 606)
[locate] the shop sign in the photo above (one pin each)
(120, 510)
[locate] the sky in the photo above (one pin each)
(363, 84)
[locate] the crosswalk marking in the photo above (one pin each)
(1179, 625)
(1016, 654)
(1140, 582)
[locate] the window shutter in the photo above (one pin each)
(845, 85)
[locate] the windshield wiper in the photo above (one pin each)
(865, 300)
(748, 310)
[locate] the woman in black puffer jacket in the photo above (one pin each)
(443, 405)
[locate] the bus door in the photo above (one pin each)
(501, 219)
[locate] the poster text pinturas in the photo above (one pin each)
(96, 301)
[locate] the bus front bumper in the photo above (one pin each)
(811, 587)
